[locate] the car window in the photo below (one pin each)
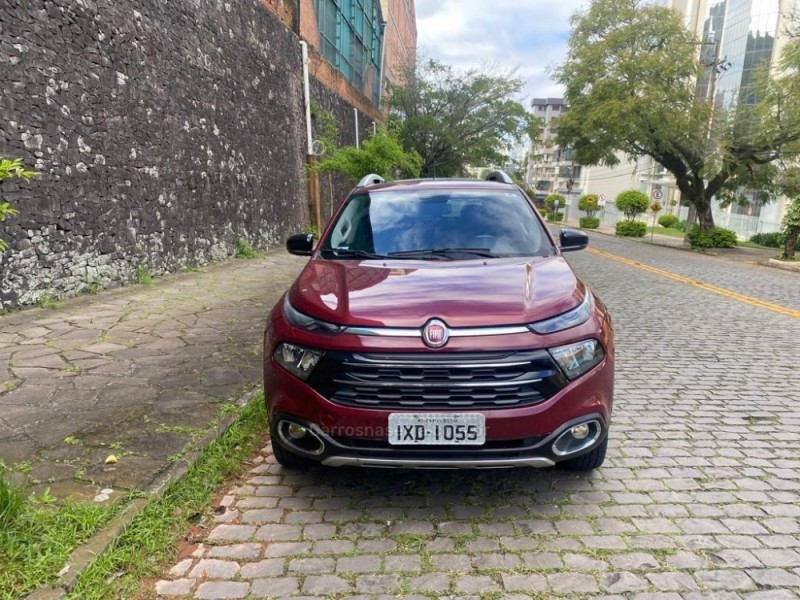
(395, 220)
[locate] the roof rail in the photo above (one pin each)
(371, 179)
(500, 176)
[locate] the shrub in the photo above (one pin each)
(774, 239)
(11, 500)
(588, 204)
(680, 226)
(718, 237)
(244, 249)
(589, 222)
(668, 221)
(543, 212)
(632, 203)
(11, 169)
(555, 216)
(550, 202)
(631, 228)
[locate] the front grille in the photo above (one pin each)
(462, 381)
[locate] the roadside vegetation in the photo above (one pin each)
(151, 540)
(38, 533)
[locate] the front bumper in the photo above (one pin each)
(539, 452)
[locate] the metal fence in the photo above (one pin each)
(744, 226)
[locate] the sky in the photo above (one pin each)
(528, 35)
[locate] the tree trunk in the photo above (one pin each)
(705, 218)
(790, 245)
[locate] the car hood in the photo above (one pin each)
(470, 293)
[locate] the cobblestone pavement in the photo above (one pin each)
(136, 372)
(699, 497)
(769, 284)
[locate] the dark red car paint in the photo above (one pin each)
(464, 293)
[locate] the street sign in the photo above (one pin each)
(601, 200)
(657, 194)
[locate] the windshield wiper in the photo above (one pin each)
(347, 252)
(444, 252)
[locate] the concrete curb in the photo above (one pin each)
(82, 557)
(761, 262)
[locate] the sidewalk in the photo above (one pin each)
(136, 372)
(739, 253)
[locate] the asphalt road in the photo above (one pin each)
(699, 497)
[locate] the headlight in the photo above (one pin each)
(577, 316)
(297, 360)
(303, 321)
(576, 359)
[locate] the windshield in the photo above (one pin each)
(433, 224)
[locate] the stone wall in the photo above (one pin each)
(163, 132)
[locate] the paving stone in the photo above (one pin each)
(359, 564)
(515, 583)
(471, 584)
(430, 582)
(232, 533)
(727, 579)
(243, 551)
(312, 565)
(774, 578)
(274, 588)
(178, 587)
(269, 567)
(573, 583)
(325, 584)
(402, 563)
(377, 584)
(211, 568)
(218, 590)
(678, 582)
(623, 582)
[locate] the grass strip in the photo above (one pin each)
(150, 542)
(37, 540)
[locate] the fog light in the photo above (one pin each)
(298, 432)
(580, 432)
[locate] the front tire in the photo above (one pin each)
(589, 461)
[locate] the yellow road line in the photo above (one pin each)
(699, 284)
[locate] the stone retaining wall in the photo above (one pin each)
(163, 132)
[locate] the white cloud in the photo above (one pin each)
(529, 35)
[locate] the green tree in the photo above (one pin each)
(589, 204)
(791, 227)
(629, 80)
(381, 154)
(11, 169)
(632, 203)
(453, 119)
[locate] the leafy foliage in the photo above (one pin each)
(550, 201)
(589, 204)
(631, 228)
(791, 229)
(244, 249)
(718, 237)
(555, 216)
(589, 222)
(11, 169)
(668, 221)
(453, 119)
(381, 154)
(773, 239)
(632, 203)
(629, 80)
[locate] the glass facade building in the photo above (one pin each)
(745, 31)
(350, 36)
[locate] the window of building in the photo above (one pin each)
(350, 33)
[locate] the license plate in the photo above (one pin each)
(449, 429)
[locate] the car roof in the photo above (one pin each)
(448, 183)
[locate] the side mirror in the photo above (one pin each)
(301, 244)
(572, 239)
